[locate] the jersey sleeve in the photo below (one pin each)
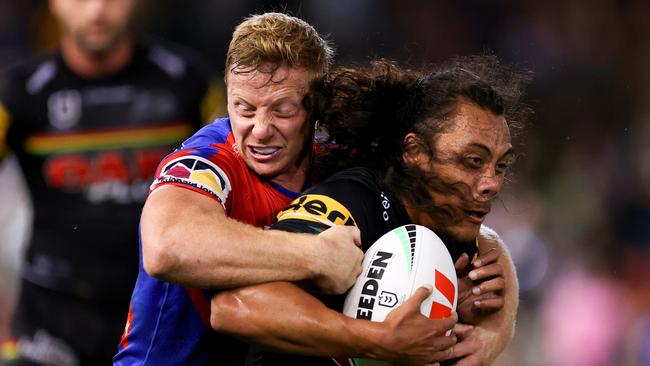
(198, 165)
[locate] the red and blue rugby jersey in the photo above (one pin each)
(169, 324)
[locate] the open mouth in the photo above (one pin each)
(265, 151)
(476, 216)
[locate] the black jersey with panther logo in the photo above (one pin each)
(356, 197)
(88, 149)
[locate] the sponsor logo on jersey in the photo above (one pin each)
(385, 203)
(196, 172)
(116, 176)
(317, 208)
(64, 108)
(45, 349)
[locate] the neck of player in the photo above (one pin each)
(295, 179)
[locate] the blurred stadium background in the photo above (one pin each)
(576, 213)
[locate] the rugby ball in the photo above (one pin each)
(394, 267)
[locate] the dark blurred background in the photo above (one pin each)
(576, 212)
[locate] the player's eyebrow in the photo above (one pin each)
(486, 150)
(285, 99)
(242, 99)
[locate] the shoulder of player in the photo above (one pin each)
(174, 60)
(205, 168)
(347, 196)
(350, 187)
(29, 76)
(358, 178)
(355, 188)
(215, 133)
(211, 143)
(20, 83)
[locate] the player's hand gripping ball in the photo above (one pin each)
(394, 267)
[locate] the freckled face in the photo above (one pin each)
(471, 159)
(269, 121)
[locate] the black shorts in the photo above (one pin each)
(53, 328)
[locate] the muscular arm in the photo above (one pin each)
(481, 344)
(502, 322)
(187, 238)
(280, 316)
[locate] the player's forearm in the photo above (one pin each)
(185, 240)
(249, 257)
(501, 325)
(504, 321)
(282, 317)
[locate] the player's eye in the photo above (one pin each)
(285, 111)
(502, 168)
(244, 109)
(473, 162)
(284, 114)
(503, 165)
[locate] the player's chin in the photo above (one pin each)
(96, 46)
(267, 170)
(98, 42)
(465, 231)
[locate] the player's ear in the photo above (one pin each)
(413, 152)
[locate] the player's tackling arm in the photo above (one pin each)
(282, 317)
(493, 330)
(188, 239)
(502, 322)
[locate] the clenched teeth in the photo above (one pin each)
(264, 150)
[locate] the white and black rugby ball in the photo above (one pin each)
(394, 267)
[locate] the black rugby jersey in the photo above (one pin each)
(357, 197)
(352, 197)
(88, 149)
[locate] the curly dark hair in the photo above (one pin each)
(369, 110)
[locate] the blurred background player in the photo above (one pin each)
(88, 125)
